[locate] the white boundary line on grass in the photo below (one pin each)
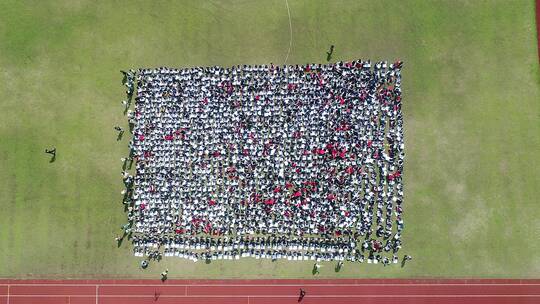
(290, 31)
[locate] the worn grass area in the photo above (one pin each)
(471, 104)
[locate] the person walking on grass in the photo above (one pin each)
(125, 77)
(51, 151)
(120, 132)
(405, 259)
(329, 53)
(126, 228)
(164, 275)
(316, 268)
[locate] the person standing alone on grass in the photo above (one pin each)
(329, 53)
(316, 268)
(51, 151)
(405, 259)
(339, 265)
(119, 129)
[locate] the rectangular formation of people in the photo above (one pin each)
(295, 162)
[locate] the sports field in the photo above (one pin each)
(471, 91)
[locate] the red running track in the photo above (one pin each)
(389, 291)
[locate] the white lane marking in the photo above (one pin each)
(289, 296)
(290, 32)
(284, 285)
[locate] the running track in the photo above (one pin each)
(390, 291)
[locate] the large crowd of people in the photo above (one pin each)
(295, 162)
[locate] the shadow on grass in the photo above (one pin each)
(124, 78)
(328, 56)
(53, 159)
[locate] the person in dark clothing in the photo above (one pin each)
(405, 259)
(51, 151)
(125, 77)
(164, 275)
(329, 53)
(302, 295)
(120, 132)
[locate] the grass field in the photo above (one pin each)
(471, 102)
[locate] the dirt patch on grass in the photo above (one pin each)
(474, 220)
(457, 189)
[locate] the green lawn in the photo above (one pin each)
(471, 102)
